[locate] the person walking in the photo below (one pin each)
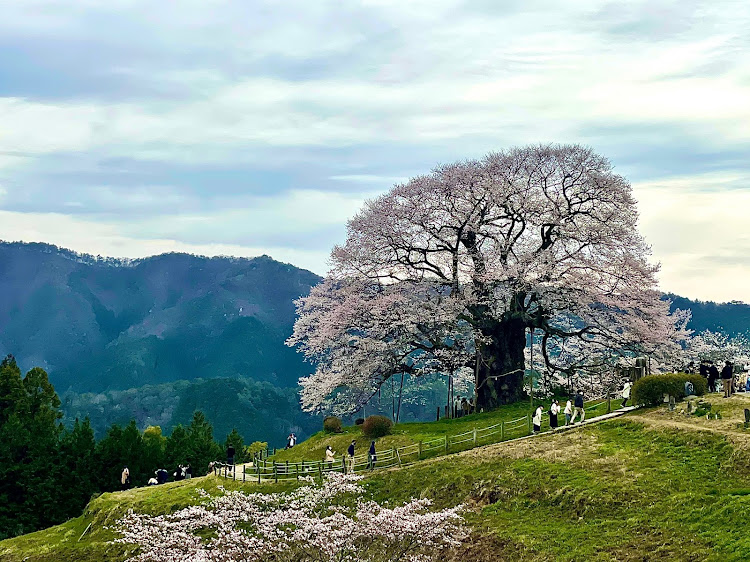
(726, 378)
(330, 456)
(626, 392)
(371, 456)
(350, 451)
(568, 411)
(465, 406)
(713, 376)
(125, 478)
(554, 410)
(537, 420)
(578, 405)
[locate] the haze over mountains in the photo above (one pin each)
(117, 336)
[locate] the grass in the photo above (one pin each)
(404, 434)
(626, 489)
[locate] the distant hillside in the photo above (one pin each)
(102, 324)
(731, 318)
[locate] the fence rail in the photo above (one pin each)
(263, 470)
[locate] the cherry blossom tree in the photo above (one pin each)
(330, 522)
(478, 252)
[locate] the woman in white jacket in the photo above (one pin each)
(537, 420)
(568, 412)
(554, 409)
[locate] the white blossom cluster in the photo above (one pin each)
(327, 522)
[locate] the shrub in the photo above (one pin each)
(359, 421)
(650, 390)
(377, 426)
(332, 424)
(255, 447)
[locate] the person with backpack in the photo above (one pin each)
(726, 378)
(578, 404)
(371, 456)
(350, 452)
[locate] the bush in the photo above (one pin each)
(377, 426)
(332, 424)
(359, 421)
(650, 390)
(255, 447)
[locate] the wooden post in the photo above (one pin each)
(475, 437)
(320, 470)
(502, 431)
(609, 402)
(258, 474)
(343, 464)
(399, 458)
(419, 452)
(528, 418)
(243, 473)
(296, 470)
(446, 444)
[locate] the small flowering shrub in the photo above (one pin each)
(329, 522)
(332, 424)
(377, 426)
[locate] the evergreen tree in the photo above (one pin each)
(236, 440)
(201, 445)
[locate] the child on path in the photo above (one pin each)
(568, 412)
(537, 420)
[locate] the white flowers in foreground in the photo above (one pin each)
(328, 522)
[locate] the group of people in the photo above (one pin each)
(729, 384)
(463, 406)
(161, 476)
(372, 457)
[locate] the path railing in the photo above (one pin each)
(263, 470)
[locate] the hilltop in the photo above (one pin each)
(650, 485)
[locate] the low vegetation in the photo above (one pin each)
(651, 390)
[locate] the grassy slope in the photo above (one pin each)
(403, 434)
(620, 490)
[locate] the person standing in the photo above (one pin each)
(626, 392)
(713, 376)
(568, 411)
(578, 405)
(726, 379)
(230, 455)
(465, 406)
(537, 420)
(554, 410)
(371, 456)
(350, 452)
(125, 478)
(330, 456)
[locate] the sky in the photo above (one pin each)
(131, 128)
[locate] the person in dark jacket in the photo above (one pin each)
(726, 378)
(578, 403)
(713, 376)
(350, 452)
(704, 369)
(230, 456)
(371, 457)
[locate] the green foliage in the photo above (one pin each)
(332, 424)
(255, 447)
(650, 390)
(201, 445)
(359, 421)
(377, 426)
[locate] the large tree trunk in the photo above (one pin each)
(501, 364)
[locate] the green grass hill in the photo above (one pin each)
(650, 485)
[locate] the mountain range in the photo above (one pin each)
(156, 338)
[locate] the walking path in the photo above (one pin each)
(397, 458)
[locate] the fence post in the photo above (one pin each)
(475, 436)
(320, 470)
(258, 474)
(528, 419)
(502, 431)
(446, 444)
(399, 458)
(419, 453)
(296, 470)
(343, 464)
(243, 473)
(275, 473)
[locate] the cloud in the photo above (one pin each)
(235, 123)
